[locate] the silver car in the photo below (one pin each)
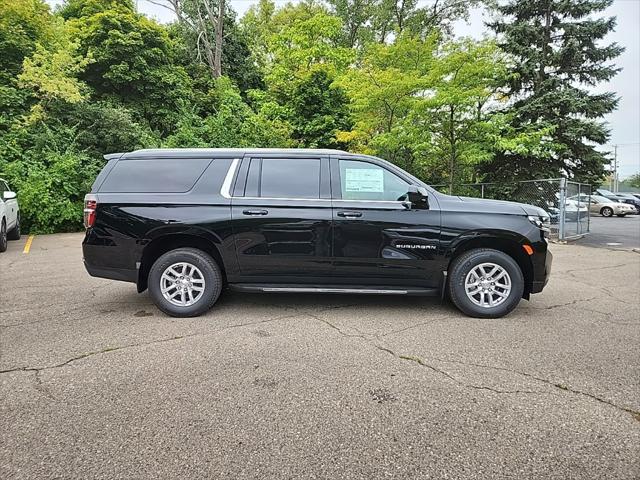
(605, 206)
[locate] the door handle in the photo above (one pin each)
(255, 212)
(350, 214)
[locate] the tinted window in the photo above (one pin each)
(290, 178)
(157, 176)
(367, 181)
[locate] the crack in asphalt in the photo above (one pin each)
(566, 304)
(140, 344)
(414, 359)
(560, 386)
(595, 269)
(421, 362)
(411, 327)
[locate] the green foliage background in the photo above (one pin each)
(382, 77)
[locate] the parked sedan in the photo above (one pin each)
(630, 199)
(605, 206)
(620, 197)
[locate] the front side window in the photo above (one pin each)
(289, 178)
(367, 181)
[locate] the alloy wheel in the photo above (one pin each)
(488, 285)
(182, 284)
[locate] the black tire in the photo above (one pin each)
(14, 234)
(465, 263)
(606, 212)
(621, 215)
(3, 236)
(210, 271)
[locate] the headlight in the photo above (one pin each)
(543, 222)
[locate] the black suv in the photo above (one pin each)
(185, 223)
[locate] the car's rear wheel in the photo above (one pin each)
(485, 283)
(606, 212)
(185, 282)
(14, 234)
(3, 236)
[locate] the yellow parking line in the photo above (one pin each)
(27, 246)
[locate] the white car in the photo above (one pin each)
(9, 215)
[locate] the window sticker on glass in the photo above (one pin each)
(364, 180)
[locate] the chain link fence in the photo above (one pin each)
(563, 200)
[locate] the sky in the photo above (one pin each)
(624, 122)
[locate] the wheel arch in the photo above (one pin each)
(508, 243)
(164, 243)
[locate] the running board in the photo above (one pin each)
(363, 290)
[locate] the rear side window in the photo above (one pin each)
(154, 176)
(288, 178)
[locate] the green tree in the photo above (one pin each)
(434, 109)
(633, 180)
(557, 59)
(49, 172)
(384, 90)
(319, 110)
(234, 124)
(132, 62)
(51, 71)
(23, 24)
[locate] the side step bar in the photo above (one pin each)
(365, 290)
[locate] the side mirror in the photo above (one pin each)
(9, 195)
(418, 196)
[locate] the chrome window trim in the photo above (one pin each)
(287, 199)
(225, 190)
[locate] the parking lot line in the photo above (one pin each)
(27, 246)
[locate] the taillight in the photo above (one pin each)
(90, 205)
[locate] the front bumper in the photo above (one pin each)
(542, 272)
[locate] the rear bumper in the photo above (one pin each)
(112, 273)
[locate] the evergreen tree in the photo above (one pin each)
(557, 59)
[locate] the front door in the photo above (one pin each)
(379, 238)
(11, 206)
(282, 219)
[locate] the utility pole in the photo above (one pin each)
(615, 169)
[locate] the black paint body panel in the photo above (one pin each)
(302, 241)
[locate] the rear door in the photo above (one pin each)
(281, 212)
(378, 238)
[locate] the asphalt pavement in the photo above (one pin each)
(614, 232)
(96, 383)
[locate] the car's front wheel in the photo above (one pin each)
(606, 212)
(185, 282)
(485, 283)
(14, 234)
(3, 236)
